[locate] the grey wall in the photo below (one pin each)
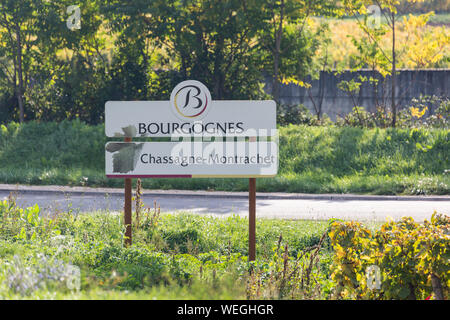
(410, 84)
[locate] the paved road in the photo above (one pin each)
(284, 206)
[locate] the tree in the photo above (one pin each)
(18, 38)
(70, 80)
(388, 9)
(210, 40)
(425, 47)
(286, 38)
(39, 56)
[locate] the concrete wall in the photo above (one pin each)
(410, 84)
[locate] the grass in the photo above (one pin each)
(172, 257)
(312, 160)
(440, 19)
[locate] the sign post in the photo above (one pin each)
(127, 208)
(252, 219)
(252, 215)
(191, 118)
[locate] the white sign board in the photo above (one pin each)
(190, 112)
(191, 159)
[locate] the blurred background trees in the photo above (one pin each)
(139, 50)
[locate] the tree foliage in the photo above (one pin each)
(378, 18)
(139, 50)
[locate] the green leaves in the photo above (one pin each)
(24, 223)
(423, 148)
(403, 292)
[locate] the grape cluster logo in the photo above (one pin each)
(190, 100)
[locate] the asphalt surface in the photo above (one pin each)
(268, 205)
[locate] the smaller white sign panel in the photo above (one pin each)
(189, 159)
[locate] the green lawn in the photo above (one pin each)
(312, 160)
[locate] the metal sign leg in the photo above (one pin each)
(252, 219)
(127, 209)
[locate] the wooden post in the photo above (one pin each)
(127, 209)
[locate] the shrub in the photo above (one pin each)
(24, 223)
(412, 259)
(423, 112)
(293, 114)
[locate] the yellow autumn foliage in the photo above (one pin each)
(416, 112)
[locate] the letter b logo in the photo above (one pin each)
(190, 100)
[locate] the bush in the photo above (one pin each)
(24, 223)
(424, 112)
(293, 114)
(412, 259)
(293, 257)
(299, 114)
